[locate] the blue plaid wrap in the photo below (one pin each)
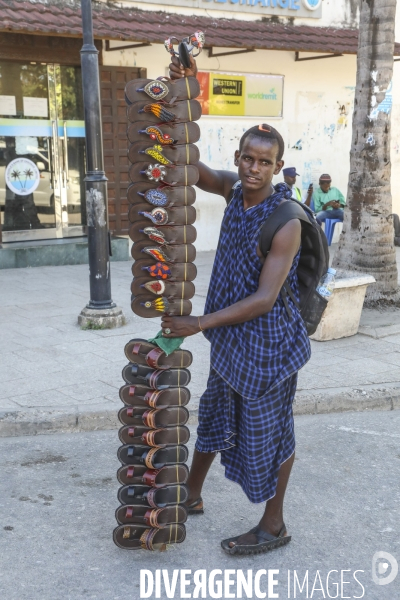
(246, 411)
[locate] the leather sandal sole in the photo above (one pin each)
(155, 438)
(177, 215)
(128, 537)
(156, 517)
(177, 253)
(143, 495)
(183, 111)
(141, 395)
(164, 235)
(182, 89)
(137, 351)
(179, 195)
(168, 475)
(181, 133)
(139, 374)
(153, 459)
(176, 271)
(183, 154)
(179, 175)
(173, 416)
(146, 306)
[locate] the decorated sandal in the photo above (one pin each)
(136, 537)
(165, 235)
(149, 306)
(155, 438)
(265, 542)
(161, 112)
(160, 417)
(179, 175)
(142, 352)
(153, 458)
(170, 475)
(164, 133)
(151, 517)
(183, 154)
(141, 395)
(178, 215)
(163, 270)
(171, 254)
(155, 379)
(139, 495)
(196, 507)
(182, 290)
(168, 90)
(155, 194)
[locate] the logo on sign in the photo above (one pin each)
(227, 87)
(312, 4)
(22, 176)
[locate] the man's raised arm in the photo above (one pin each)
(210, 180)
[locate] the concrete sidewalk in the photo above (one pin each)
(56, 377)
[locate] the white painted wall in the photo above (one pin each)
(313, 92)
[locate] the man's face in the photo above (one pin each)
(289, 180)
(257, 163)
(325, 185)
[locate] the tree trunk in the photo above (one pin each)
(367, 241)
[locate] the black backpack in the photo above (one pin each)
(313, 261)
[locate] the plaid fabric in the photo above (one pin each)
(254, 438)
(256, 355)
(246, 411)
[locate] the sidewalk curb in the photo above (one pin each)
(41, 421)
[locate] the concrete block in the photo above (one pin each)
(343, 313)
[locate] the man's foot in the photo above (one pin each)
(256, 541)
(195, 507)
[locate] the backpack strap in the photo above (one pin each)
(285, 212)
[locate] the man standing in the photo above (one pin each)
(329, 202)
(289, 177)
(257, 345)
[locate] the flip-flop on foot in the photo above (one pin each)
(196, 507)
(265, 542)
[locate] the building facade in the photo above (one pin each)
(291, 63)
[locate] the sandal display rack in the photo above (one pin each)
(161, 135)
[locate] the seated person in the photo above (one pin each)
(329, 202)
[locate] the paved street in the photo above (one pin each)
(58, 496)
(54, 376)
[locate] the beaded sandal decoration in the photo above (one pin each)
(158, 216)
(156, 134)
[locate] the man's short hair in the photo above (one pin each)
(267, 132)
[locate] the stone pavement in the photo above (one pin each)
(56, 377)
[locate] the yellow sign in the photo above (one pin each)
(227, 94)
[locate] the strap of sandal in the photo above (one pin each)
(151, 517)
(151, 398)
(146, 539)
(149, 478)
(130, 472)
(149, 418)
(150, 497)
(152, 378)
(136, 349)
(154, 356)
(148, 458)
(148, 437)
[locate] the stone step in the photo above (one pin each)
(72, 251)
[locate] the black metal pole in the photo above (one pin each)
(95, 180)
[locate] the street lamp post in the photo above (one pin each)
(100, 310)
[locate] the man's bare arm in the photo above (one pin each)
(276, 268)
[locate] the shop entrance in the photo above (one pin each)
(42, 151)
